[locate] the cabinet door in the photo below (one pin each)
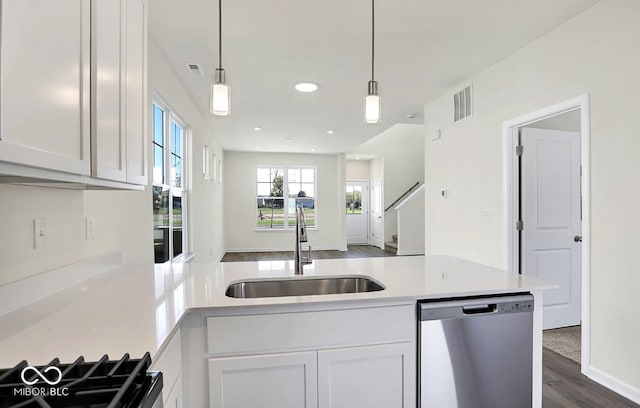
(381, 376)
(134, 98)
(174, 399)
(287, 380)
(107, 86)
(44, 84)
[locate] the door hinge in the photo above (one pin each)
(519, 150)
(519, 225)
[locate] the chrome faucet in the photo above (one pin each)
(301, 236)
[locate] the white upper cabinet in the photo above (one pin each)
(135, 91)
(107, 85)
(44, 85)
(73, 90)
(118, 90)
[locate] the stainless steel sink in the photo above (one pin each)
(303, 287)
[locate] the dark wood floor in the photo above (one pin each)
(353, 251)
(564, 387)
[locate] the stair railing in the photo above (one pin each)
(402, 196)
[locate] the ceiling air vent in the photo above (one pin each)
(462, 104)
(194, 69)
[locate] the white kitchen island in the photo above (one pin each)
(181, 315)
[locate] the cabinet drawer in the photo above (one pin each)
(266, 333)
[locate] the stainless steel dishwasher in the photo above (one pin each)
(476, 352)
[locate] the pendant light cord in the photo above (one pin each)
(220, 34)
(373, 30)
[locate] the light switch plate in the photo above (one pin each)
(90, 227)
(39, 233)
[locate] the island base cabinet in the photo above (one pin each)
(287, 380)
(380, 376)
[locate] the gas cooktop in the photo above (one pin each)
(124, 383)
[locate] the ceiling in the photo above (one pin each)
(423, 49)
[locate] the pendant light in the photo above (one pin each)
(220, 92)
(372, 100)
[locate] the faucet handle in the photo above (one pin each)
(307, 259)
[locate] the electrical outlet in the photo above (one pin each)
(39, 233)
(90, 227)
(486, 216)
(444, 193)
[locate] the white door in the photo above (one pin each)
(357, 208)
(377, 230)
(378, 376)
(550, 211)
(287, 380)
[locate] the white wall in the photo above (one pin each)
(357, 170)
(569, 122)
(595, 53)
(240, 201)
(19, 205)
(205, 206)
(402, 147)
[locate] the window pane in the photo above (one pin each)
(177, 223)
(176, 171)
(277, 183)
(158, 164)
(307, 176)
(264, 175)
(264, 189)
(308, 190)
(160, 223)
(294, 189)
(270, 213)
(294, 175)
(354, 200)
(176, 139)
(308, 208)
(310, 215)
(158, 128)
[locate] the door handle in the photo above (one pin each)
(577, 238)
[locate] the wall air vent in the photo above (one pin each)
(194, 69)
(462, 106)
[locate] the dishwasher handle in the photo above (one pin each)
(480, 309)
(468, 308)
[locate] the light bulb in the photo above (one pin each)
(372, 108)
(220, 99)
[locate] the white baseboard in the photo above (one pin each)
(18, 294)
(614, 384)
(417, 252)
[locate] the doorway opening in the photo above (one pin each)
(546, 158)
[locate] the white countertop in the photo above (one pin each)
(133, 309)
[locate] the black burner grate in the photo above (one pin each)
(124, 383)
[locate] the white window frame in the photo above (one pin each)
(171, 116)
(285, 194)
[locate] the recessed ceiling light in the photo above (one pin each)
(287, 140)
(357, 157)
(331, 131)
(313, 150)
(257, 128)
(257, 147)
(306, 87)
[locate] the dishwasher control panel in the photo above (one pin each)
(515, 307)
